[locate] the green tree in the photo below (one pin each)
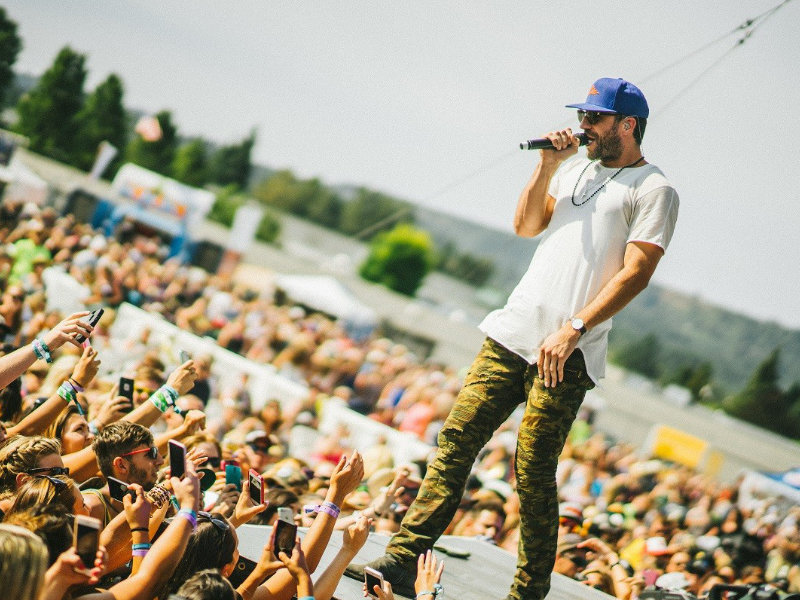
(762, 402)
(10, 45)
(102, 117)
(284, 191)
(225, 206)
(48, 113)
(159, 155)
(640, 355)
(399, 259)
(269, 229)
(231, 164)
(190, 164)
(372, 211)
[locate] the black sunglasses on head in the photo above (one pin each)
(218, 523)
(48, 471)
(56, 482)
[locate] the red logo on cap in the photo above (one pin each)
(593, 91)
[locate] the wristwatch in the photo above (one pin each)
(578, 325)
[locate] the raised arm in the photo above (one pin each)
(535, 204)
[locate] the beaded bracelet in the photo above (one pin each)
(189, 515)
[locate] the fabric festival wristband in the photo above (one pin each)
(78, 387)
(139, 553)
(142, 546)
(67, 392)
(41, 350)
(425, 593)
(189, 515)
(160, 400)
(306, 598)
(330, 509)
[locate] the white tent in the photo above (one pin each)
(326, 294)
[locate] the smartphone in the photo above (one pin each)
(126, 389)
(373, 578)
(177, 459)
(119, 489)
(285, 536)
(86, 538)
(256, 487)
(244, 566)
(209, 478)
(233, 474)
(285, 514)
(184, 356)
(92, 319)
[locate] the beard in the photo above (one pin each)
(606, 147)
(142, 477)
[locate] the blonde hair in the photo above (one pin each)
(56, 428)
(20, 454)
(41, 490)
(23, 562)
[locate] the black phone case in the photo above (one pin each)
(244, 566)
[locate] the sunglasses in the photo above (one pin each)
(56, 482)
(144, 390)
(264, 449)
(152, 452)
(218, 523)
(48, 471)
(18, 298)
(592, 116)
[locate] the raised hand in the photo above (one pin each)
(66, 331)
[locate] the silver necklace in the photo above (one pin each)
(594, 193)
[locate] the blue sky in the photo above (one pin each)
(428, 101)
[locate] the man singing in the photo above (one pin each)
(607, 220)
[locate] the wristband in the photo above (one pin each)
(140, 529)
(67, 392)
(306, 598)
(94, 428)
(41, 350)
(189, 515)
(142, 546)
(74, 383)
(139, 553)
(425, 593)
(329, 508)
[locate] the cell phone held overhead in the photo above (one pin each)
(126, 390)
(256, 487)
(285, 535)
(92, 319)
(86, 539)
(371, 579)
(177, 459)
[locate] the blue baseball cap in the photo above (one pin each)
(615, 96)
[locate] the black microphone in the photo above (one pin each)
(545, 144)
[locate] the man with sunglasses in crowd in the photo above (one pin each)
(126, 452)
(607, 220)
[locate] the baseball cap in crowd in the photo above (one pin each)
(615, 96)
(656, 546)
(570, 510)
(569, 542)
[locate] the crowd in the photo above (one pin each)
(626, 521)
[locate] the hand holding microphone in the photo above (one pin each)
(547, 144)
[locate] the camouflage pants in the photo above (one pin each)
(496, 383)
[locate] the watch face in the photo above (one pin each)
(578, 324)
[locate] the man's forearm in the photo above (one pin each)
(532, 214)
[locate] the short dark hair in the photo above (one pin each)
(118, 439)
(206, 585)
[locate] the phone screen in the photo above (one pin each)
(177, 459)
(285, 535)
(184, 356)
(233, 474)
(285, 514)
(86, 539)
(118, 489)
(256, 487)
(373, 578)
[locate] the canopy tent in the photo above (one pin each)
(326, 294)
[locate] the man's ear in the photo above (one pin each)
(120, 465)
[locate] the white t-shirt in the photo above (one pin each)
(580, 251)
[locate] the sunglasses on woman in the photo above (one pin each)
(48, 471)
